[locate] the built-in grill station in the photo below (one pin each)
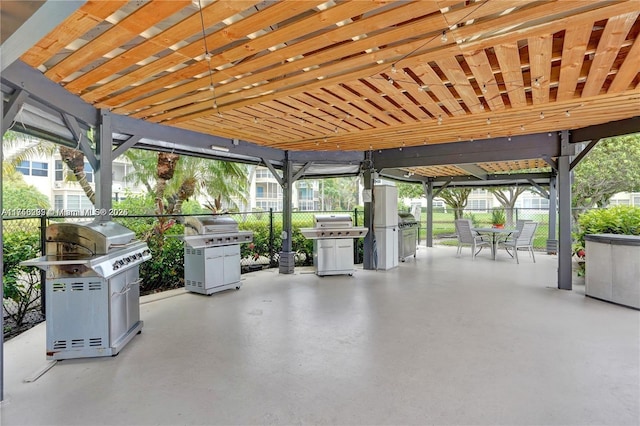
(407, 235)
(212, 253)
(92, 288)
(333, 237)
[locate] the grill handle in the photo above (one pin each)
(126, 288)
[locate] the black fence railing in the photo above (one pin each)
(24, 238)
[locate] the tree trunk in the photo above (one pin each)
(167, 163)
(74, 159)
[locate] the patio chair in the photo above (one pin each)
(523, 240)
(519, 224)
(466, 236)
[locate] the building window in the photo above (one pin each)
(477, 205)
(24, 167)
(306, 205)
(263, 174)
(78, 202)
(59, 172)
(88, 172)
(268, 190)
(305, 194)
(636, 200)
(58, 202)
(39, 168)
(33, 168)
(119, 172)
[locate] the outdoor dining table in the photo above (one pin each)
(495, 235)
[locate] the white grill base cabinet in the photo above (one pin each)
(212, 269)
(333, 256)
(92, 316)
(387, 247)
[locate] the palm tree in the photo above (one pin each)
(22, 149)
(176, 178)
(74, 159)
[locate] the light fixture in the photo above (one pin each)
(484, 88)
(541, 115)
(488, 121)
(536, 82)
(439, 119)
(390, 80)
(393, 68)
(219, 148)
(207, 57)
(522, 127)
(567, 113)
(255, 120)
(444, 38)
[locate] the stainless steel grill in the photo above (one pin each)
(92, 288)
(333, 243)
(212, 253)
(407, 235)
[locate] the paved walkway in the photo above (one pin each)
(439, 340)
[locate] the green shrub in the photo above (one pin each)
(20, 284)
(624, 220)
(165, 269)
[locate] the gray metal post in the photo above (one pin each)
(564, 203)
(1, 279)
(428, 190)
(369, 260)
(552, 241)
(287, 259)
(103, 173)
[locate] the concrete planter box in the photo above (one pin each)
(613, 268)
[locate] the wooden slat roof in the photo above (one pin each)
(353, 75)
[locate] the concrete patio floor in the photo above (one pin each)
(439, 340)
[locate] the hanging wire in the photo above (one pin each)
(207, 57)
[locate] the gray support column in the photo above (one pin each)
(369, 261)
(1, 279)
(552, 241)
(103, 173)
(428, 190)
(287, 259)
(564, 203)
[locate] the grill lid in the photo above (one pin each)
(201, 225)
(86, 238)
(405, 218)
(333, 221)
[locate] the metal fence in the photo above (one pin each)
(23, 237)
(444, 225)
